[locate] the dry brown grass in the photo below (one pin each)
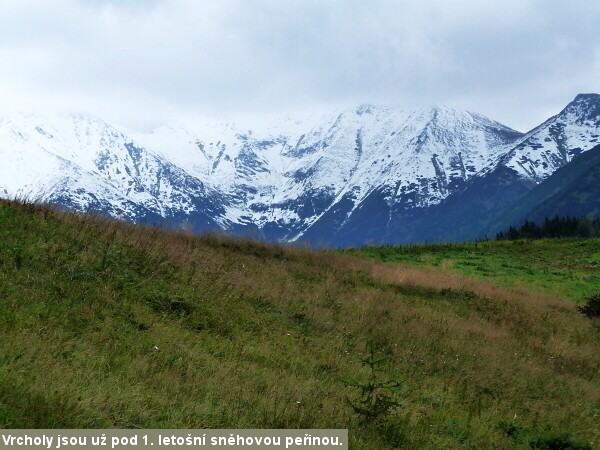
(439, 278)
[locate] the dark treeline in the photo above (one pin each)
(555, 227)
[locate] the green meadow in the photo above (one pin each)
(105, 324)
(568, 268)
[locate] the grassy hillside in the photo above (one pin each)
(108, 325)
(564, 267)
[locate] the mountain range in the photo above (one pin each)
(375, 174)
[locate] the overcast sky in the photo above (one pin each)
(141, 63)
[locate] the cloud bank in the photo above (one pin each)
(145, 62)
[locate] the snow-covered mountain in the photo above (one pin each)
(305, 178)
(487, 198)
(82, 163)
(286, 178)
(557, 141)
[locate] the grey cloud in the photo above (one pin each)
(155, 60)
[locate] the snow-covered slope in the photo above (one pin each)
(413, 158)
(287, 178)
(83, 163)
(557, 141)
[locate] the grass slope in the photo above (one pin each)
(108, 325)
(564, 267)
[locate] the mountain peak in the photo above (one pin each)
(365, 108)
(582, 97)
(585, 108)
